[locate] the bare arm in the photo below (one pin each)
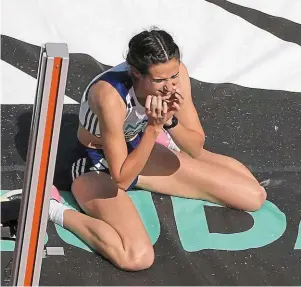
(111, 112)
(188, 134)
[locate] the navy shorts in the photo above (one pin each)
(89, 159)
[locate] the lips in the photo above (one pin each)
(166, 96)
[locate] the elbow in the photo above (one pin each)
(201, 137)
(117, 180)
(127, 185)
(122, 184)
(201, 144)
(202, 140)
(199, 147)
(123, 181)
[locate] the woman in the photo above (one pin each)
(123, 112)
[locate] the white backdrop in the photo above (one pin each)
(217, 46)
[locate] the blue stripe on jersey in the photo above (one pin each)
(131, 145)
(121, 81)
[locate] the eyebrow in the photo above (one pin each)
(166, 78)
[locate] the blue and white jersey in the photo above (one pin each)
(136, 119)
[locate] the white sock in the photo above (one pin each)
(56, 212)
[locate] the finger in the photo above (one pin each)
(179, 98)
(159, 107)
(159, 93)
(164, 109)
(148, 103)
(176, 106)
(154, 106)
(162, 94)
(177, 93)
(167, 101)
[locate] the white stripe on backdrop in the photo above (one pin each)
(19, 88)
(217, 45)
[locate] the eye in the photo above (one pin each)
(158, 80)
(175, 76)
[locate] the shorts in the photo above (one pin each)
(89, 159)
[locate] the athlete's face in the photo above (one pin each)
(162, 79)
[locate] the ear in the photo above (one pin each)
(135, 72)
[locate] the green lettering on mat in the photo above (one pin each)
(269, 225)
(9, 245)
(141, 199)
(298, 241)
(147, 211)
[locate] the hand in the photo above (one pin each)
(156, 110)
(174, 104)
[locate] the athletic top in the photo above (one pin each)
(136, 119)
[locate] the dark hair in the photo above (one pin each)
(151, 47)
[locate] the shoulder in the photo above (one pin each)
(118, 78)
(104, 96)
(183, 70)
(111, 89)
(184, 81)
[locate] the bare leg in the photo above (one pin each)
(113, 227)
(177, 174)
(225, 161)
(214, 158)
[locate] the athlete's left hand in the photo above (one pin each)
(174, 103)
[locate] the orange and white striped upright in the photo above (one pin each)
(40, 164)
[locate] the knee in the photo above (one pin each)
(258, 198)
(137, 259)
(134, 256)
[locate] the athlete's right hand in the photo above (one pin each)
(156, 110)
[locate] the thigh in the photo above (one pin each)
(225, 161)
(177, 174)
(99, 197)
(174, 173)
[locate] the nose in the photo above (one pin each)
(169, 87)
